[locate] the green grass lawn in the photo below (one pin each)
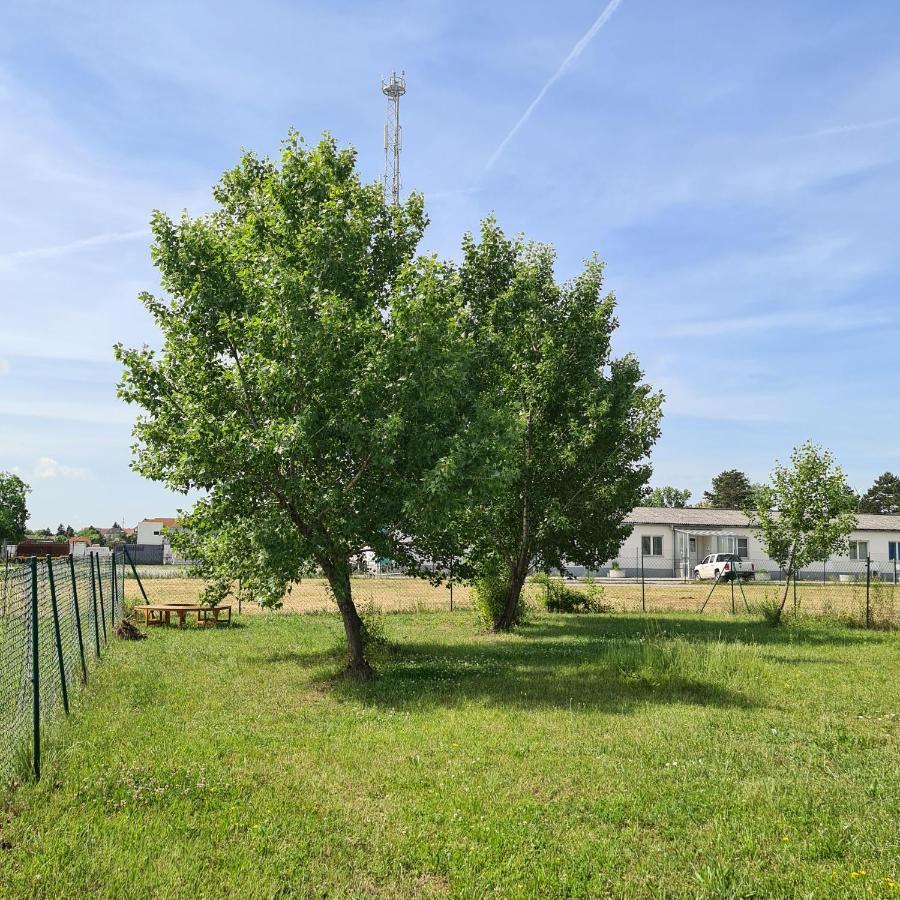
(585, 756)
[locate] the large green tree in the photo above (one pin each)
(883, 497)
(806, 513)
(309, 372)
(731, 489)
(668, 496)
(13, 508)
(570, 425)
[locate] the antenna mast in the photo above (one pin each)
(393, 88)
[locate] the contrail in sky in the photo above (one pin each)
(846, 129)
(97, 240)
(575, 52)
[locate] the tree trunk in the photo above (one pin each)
(338, 575)
(787, 583)
(514, 586)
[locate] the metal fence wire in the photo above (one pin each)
(859, 591)
(56, 618)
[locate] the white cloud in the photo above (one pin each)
(46, 467)
(97, 240)
(73, 410)
(722, 401)
(817, 319)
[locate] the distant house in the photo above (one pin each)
(670, 542)
(150, 531)
(152, 544)
(78, 546)
(115, 534)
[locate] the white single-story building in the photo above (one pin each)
(670, 542)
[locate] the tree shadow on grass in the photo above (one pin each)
(305, 658)
(584, 663)
(692, 628)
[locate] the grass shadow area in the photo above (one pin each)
(743, 629)
(611, 664)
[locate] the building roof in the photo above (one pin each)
(166, 522)
(79, 539)
(661, 515)
(733, 518)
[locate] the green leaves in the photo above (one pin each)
(883, 498)
(331, 392)
(13, 508)
(308, 376)
(667, 496)
(561, 428)
(808, 510)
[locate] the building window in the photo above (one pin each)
(651, 545)
(726, 543)
(859, 549)
(743, 550)
(893, 549)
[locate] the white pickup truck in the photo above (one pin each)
(724, 565)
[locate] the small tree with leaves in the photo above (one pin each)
(13, 509)
(668, 496)
(308, 373)
(806, 512)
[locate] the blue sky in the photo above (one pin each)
(736, 164)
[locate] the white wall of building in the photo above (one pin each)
(149, 532)
(875, 544)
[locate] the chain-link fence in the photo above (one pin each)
(56, 618)
(387, 593)
(865, 591)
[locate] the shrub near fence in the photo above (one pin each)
(56, 618)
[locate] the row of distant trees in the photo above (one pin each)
(14, 515)
(733, 489)
(64, 532)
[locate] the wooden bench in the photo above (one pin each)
(161, 613)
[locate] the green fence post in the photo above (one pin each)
(868, 591)
(57, 636)
(78, 620)
(115, 591)
(35, 673)
(94, 599)
(134, 572)
(643, 590)
(100, 591)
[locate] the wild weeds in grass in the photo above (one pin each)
(662, 659)
(560, 597)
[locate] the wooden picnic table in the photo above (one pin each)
(161, 613)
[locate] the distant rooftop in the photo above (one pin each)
(731, 518)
